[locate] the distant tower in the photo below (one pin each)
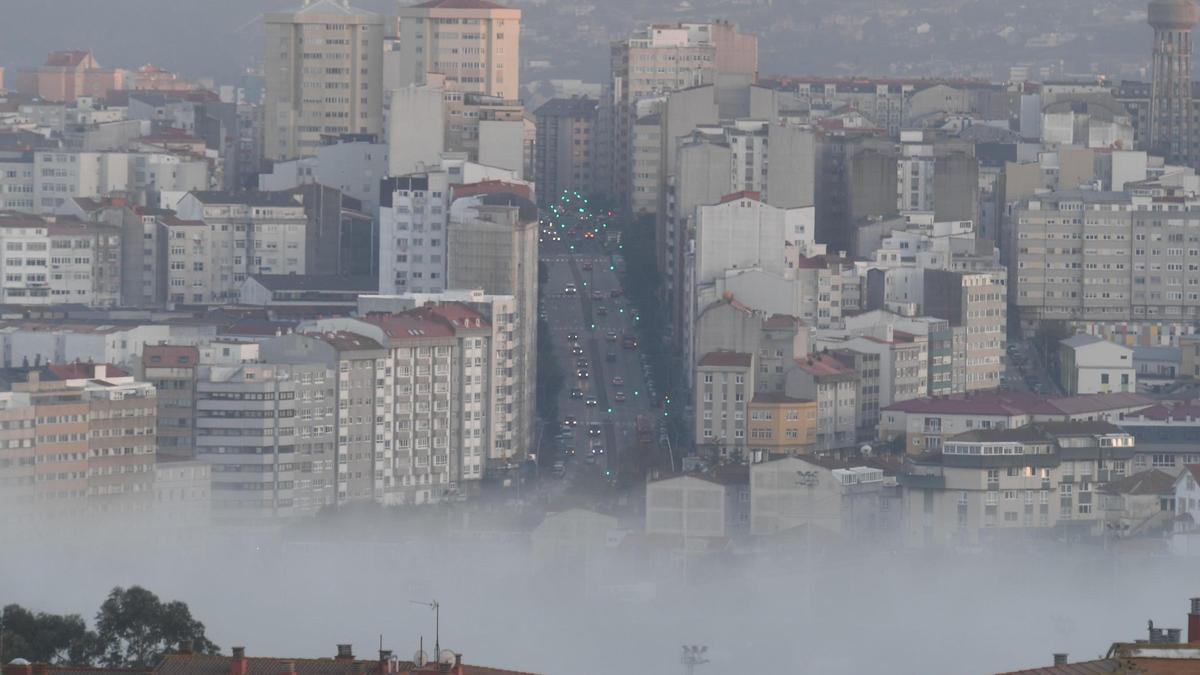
(1171, 125)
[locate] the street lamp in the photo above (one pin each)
(693, 655)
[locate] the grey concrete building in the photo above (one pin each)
(268, 432)
(856, 182)
(564, 150)
(359, 363)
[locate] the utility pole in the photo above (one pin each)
(693, 655)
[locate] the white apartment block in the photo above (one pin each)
(413, 215)
(324, 76)
(17, 183)
(252, 233)
(59, 260)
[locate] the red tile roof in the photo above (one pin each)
(1178, 410)
(1010, 403)
(823, 365)
(744, 194)
(411, 325)
(491, 187)
(460, 4)
(80, 371)
(1193, 469)
(346, 341)
(170, 355)
(727, 359)
(458, 314)
(781, 321)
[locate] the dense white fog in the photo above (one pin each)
(904, 612)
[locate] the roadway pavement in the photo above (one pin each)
(576, 313)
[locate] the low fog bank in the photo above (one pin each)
(917, 613)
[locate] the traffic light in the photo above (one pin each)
(610, 411)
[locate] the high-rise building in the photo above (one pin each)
(1171, 124)
(565, 152)
(474, 44)
(324, 76)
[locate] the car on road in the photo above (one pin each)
(618, 381)
(611, 336)
(601, 310)
(615, 293)
(619, 397)
(560, 469)
(570, 289)
(629, 342)
(597, 449)
(582, 373)
(577, 350)
(572, 337)
(576, 393)
(597, 295)
(581, 363)
(591, 402)
(570, 421)
(587, 266)
(594, 429)
(610, 357)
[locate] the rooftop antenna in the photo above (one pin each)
(437, 623)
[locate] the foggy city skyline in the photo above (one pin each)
(489, 337)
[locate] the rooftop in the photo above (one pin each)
(247, 198)
(575, 106)
(824, 365)
(1152, 482)
(460, 4)
(346, 341)
(723, 359)
(1010, 403)
(314, 282)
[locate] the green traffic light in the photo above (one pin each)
(610, 411)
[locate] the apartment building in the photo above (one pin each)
(474, 45)
(267, 429)
(924, 424)
(59, 260)
(935, 333)
(661, 59)
(324, 76)
(360, 364)
(690, 511)
(1041, 479)
(871, 378)
(514, 397)
(824, 379)
(80, 440)
(781, 426)
(67, 75)
(1103, 257)
(564, 150)
(723, 390)
(414, 215)
(975, 305)
(437, 398)
(216, 239)
(17, 183)
(173, 371)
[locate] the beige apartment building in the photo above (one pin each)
(58, 260)
(474, 44)
(975, 304)
(324, 76)
(1108, 256)
(724, 389)
(79, 439)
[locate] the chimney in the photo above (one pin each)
(238, 665)
(1060, 659)
(100, 371)
(345, 652)
(385, 660)
(185, 647)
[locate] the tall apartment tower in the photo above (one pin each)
(1171, 124)
(324, 76)
(474, 44)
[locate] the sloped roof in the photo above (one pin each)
(333, 7)
(1081, 340)
(202, 664)
(1152, 482)
(314, 282)
(66, 58)
(460, 4)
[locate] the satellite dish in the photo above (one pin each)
(420, 658)
(18, 662)
(865, 450)
(446, 657)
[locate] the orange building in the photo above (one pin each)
(781, 425)
(67, 75)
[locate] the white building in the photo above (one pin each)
(1187, 493)
(1092, 365)
(413, 216)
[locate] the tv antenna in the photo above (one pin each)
(437, 623)
(693, 655)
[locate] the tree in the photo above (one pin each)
(134, 629)
(44, 638)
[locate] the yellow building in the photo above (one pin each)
(474, 44)
(781, 425)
